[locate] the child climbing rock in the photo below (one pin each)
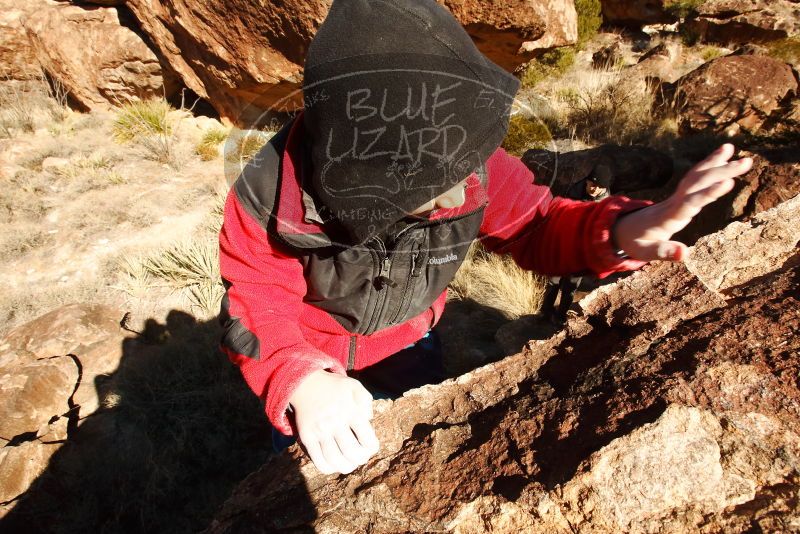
(341, 235)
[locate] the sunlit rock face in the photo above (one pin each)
(671, 403)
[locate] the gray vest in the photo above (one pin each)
(364, 288)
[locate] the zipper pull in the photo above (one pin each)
(415, 267)
(383, 279)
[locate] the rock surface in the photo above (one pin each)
(745, 21)
(246, 57)
(49, 374)
(633, 168)
(636, 14)
(99, 60)
(733, 93)
(671, 404)
(17, 57)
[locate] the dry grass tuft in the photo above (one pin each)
(498, 282)
(208, 148)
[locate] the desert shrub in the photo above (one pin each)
(17, 108)
(208, 147)
(25, 104)
(550, 64)
(787, 50)
(149, 125)
(240, 147)
(58, 97)
(590, 18)
(709, 53)
(603, 106)
(525, 133)
(682, 9)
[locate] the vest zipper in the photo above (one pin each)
(351, 357)
(408, 288)
(386, 266)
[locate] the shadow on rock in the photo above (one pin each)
(176, 430)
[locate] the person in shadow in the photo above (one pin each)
(595, 187)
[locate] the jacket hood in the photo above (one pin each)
(400, 107)
(303, 222)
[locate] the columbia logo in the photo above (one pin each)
(444, 259)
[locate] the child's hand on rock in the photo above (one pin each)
(332, 414)
(644, 234)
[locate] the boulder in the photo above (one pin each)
(49, 374)
(733, 93)
(744, 21)
(96, 56)
(89, 334)
(246, 57)
(637, 13)
(17, 56)
(20, 466)
(633, 168)
(658, 63)
(34, 392)
(672, 403)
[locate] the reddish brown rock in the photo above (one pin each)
(637, 13)
(34, 393)
(665, 406)
(245, 59)
(48, 372)
(632, 168)
(774, 178)
(659, 63)
(99, 60)
(733, 93)
(744, 21)
(17, 57)
(19, 467)
(33, 358)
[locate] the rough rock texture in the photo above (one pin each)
(50, 375)
(660, 62)
(745, 21)
(733, 93)
(561, 27)
(774, 178)
(20, 465)
(17, 57)
(636, 13)
(672, 404)
(95, 56)
(246, 57)
(632, 167)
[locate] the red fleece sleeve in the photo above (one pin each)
(550, 235)
(265, 289)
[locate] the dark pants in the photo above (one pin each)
(566, 285)
(416, 365)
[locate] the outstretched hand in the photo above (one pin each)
(644, 234)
